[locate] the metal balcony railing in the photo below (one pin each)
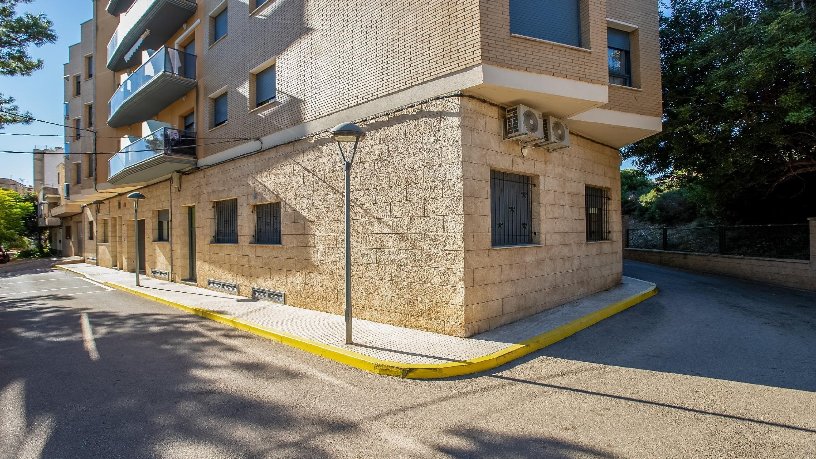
(165, 77)
(166, 142)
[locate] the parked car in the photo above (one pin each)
(5, 257)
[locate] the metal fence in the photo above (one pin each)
(764, 241)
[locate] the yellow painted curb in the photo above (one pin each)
(404, 370)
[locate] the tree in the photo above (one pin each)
(17, 34)
(15, 211)
(740, 105)
(634, 184)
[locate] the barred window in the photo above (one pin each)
(511, 209)
(226, 222)
(597, 214)
(268, 223)
(163, 227)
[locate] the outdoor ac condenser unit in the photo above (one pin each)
(556, 134)
(523, 124)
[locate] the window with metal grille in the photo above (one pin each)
(163, 227)
(104, 234)
(268, 223)
(226, 222)
(265, 86)
(597, 214)
(90, 231)
(511, 209)
(618, 57)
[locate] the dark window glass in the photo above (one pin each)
(90, 231)
(220, 110)
(260, 3)
(268, 223)
(89, 70)
(220, 25)
(189, 68)
(91, 115)
(77, 129)
(511, 209)
(618, 56)
(77, 85)
(68, 232)
(189, 123)
(226, 222)
(552, 20)
(597, 214)
(265, 90)
(163, 229)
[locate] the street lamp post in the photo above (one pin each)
(348, 133)
(136, 197)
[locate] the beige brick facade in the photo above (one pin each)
(421, 200)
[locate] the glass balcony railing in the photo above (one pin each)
(166, 62)
(147, 24)
(162, 142)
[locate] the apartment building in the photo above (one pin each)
(218, 112)
(48, 168)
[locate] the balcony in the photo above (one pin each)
(148, 24)
(168, 75)
(48, 222)
(152, 158)
(117, 7)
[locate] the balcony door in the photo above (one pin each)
(189, 70)
(140, 244)
(191, 244)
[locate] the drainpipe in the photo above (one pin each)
(170, 227)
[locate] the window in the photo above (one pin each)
(163, 228)
(90, 114)
(77, 86)
(265, 89)
(91, 166)
(552, 20)
(511, 209)
(78, 173)
(89, 70)
(104, 234)
(258, 3)
(189, 123)
(219, 25)
(220, 109)
(189, 70)
(268, 223)
(77, 128)
(90, 231)
(68, 232)
(620, 65)
(226, 222)
(597, 214)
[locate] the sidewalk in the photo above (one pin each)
(380, 348)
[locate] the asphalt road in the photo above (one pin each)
(712, 367)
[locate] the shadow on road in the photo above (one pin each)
(710, 326)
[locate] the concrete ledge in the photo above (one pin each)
(399, 369)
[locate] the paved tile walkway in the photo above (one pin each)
(381, 341)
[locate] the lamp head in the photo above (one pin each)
(347, 132)
(136, 196)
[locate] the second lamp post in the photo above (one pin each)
(348, 133)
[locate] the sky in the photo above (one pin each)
(41, 93)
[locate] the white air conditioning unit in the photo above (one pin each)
(556, 134)
(523, 124)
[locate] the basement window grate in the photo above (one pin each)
(222, 286)
(268, 295)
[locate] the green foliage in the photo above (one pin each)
(15, 210)
(740, 101)
(17, 34)
(634, 184)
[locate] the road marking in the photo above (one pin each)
(30, 281)
(56, 290)
(301, 368)
(96, 283)
(87, 337)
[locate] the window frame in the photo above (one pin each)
(597, 229)
(78, 173)
(500, 198)
(89, 63)
(256, 73)
(230, 236)
(276, 230)
(162, 226)
(583, 30)
(222, 10)
(225, 96)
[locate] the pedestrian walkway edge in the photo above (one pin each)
(398, 369)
